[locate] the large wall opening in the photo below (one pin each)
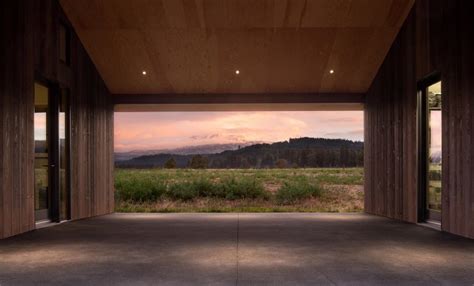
(239, 161)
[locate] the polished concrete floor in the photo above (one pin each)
(236, 249)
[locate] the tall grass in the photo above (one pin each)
(242, 188)
(147, 188)
(290, 185)
(184, 191)
(139, 188)
(294, 191)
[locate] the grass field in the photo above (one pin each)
(239, 190)
(434, 187)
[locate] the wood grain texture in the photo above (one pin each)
(223, 107)
(237, 102)
(91, 139)
(456, 62)
(438, 36)
(189, 46)
(390, 136)
(29, 49)
(239, 98)
(16, 119)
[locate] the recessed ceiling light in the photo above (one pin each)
(237, 72)
(331, 71)
(143, 72)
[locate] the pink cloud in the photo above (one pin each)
(135, 131)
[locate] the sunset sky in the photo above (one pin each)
(167, 130)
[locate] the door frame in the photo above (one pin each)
(54, 184)
(67, 152)
(423, 151)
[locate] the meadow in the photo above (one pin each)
(239, 190)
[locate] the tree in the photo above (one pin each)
(304, 158)
(244, 163)
(198, 162)
(170, 163)
(281, 163)
(268, 161)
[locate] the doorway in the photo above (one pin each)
(430, 102)
(51, 166)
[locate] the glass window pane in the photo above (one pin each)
(41, 152)
(435, 154)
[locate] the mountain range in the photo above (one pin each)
(298, 152)
(188, 150)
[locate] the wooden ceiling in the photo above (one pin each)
(195, 46)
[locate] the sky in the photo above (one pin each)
(40, 126)
(169, 130)
(436, 137)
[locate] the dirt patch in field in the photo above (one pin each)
(272, 187)
(353, 190)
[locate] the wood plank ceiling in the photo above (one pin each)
(195, 46)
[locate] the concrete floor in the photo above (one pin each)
(231, 249)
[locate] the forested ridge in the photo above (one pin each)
(299, 152)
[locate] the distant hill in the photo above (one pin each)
(436, 157)
(299, 152)
(189, 150)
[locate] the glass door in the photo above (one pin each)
(41, 136)
(51, 129)
(431, 149)
(63, 135)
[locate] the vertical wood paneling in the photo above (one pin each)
(16, 117)
(391, 152)
(458, 92)
(29, 46)
(46, 36)
(437, 37)
(91, 118)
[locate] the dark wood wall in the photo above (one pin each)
(457, 68)
(29, 51)
(390, 132)
(16, 119)
(437, 37)
(92, 140)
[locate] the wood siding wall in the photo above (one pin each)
(390, 133)
(16, 119)
(438, 36)
(458, 111)
(29, 50)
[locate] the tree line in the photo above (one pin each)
(295, 153)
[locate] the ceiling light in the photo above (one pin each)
(237, 72)
(143, 72)
(331, 71)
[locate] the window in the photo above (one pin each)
(64, 44)
(430, 150)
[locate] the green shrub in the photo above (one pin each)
(244, 188)
(184, 191)
(435, 175)
(205, 188)
(292, 192)
(139, 189)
